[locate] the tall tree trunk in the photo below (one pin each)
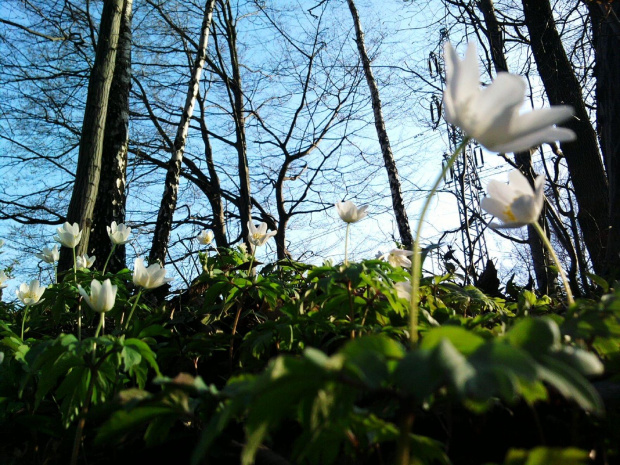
(163, 227)
(388, 158)
(238, 107)
(110, 205)
(540, 258)
(606, 33)
(582, 156)
(88, 170)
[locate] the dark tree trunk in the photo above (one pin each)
(495, 36)
(606, 33)
(388, 157)
(163, 227)
(88, 170)
(582, 156)
(110, 205)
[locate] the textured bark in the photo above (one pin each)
(388, 158)
(606, 33)
(110, 205)
(163, 227)
(582, 156)
(540, 259)
(88, 170)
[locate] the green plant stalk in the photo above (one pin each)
(24, 320)
(416, 262)
(105, 265)
(252, 263)
(545, 239)
(346, 245)
(135, 304)
(55, 273)
(79, 322)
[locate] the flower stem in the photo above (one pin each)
(55, 273)
(100, 325)
(79, 322)
(545, 239)
(24, 320)
(135, 304)
(416, 262)
(105, 265)
(346, 245)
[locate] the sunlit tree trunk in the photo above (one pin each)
(110, 205)
(582, 156)
(163, 227)
(388, 157)
(84, 196)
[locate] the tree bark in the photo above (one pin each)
(388, 157)
(523, 160)
(88, 170)
(110, 205)
(163, 227)
(606, 35)
(582, 156)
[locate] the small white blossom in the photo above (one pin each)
(258, 236)
(49, 255)
(69, 235)
(151, 277)
(118, 234)
(102, 295)
(84, 261)
(30, 294)
(349, 213)
(205, 237)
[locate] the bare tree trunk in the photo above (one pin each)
(582, 156)
(606, 33)
(540, 259)
(110, 205)
(388, 158)
(238, 107)
(168, 205)
(88, 170)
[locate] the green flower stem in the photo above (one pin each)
(545, 239)
(105, 265)
(416, 262)
(55, 273)
(24, 320)
(79, 322)
(100, 325)
(252, 264)
(135, 304)
(346, 245)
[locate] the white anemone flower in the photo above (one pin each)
(492, 116)
(102, 295)
(205, 237)
(151, 277)
(349, 213)
(516, 203)
(118, 234)
(84, 261)
(30, 294)
(258, 236)
(49, 255)
(69, 235)
(398, 257)
(3, 279)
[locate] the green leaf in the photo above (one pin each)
(536, 335)
(547, 456)
(122, 422)
(131, 357)
(465, 341)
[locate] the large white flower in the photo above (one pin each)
(102, 295)
(119, 234)
(69, 235)
(258, 236)
(30, 294)
(398, 257)
(3, 278)
(49, 255)
(516, 203)
(151, 277)
(491, 116)
(205, 237)
(84, 261)
(349, 213)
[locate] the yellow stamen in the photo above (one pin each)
(508, 214)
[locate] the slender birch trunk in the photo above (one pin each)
(163, 227)
(388, 157)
